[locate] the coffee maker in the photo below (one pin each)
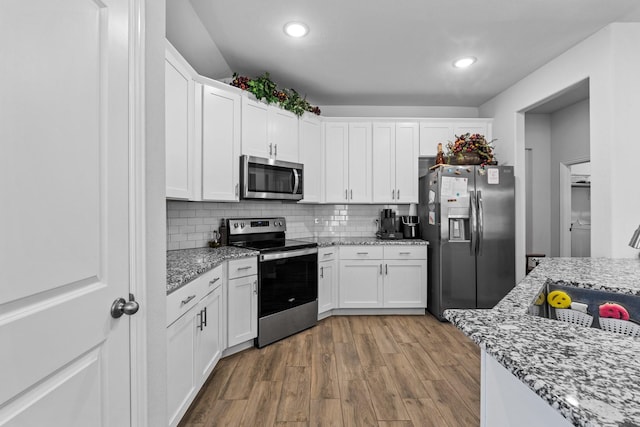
(389, 226)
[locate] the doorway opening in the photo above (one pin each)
(557, 138)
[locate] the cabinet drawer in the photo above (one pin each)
(361, 252)
(243, 267)
(180, 301)
(405, 252)
(215, 278)
(327, 254)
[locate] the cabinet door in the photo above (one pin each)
(242, 310)
(360, 283)
(384, 153)
(283, 134)
(405, 283)
(406, 163)
(336, 162)
(181, 380)
(311, 157)
(360, 160)
(431, 133)
(327, 286)
(179, 128)
(220, 144)
(210, 333)
(471, 127)
(255, 129)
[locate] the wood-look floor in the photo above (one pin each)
(348, 371)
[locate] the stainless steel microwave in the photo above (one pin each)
(270, 179)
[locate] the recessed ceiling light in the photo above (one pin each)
(296, 29)
(464, 62)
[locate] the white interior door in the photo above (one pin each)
(64, 189)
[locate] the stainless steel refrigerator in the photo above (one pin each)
(467, 215)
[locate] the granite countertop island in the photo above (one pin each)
(354, 241)
(184, 265)
(591, 376)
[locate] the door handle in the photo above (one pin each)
(236, 189)
(346, 194)
(474, 221)
(255, 287)
(397, 194)
(275, 150)
(480, 223)
(322, 272)
(200, 323)
(120, 306)
(204, 322)
(386, 269)
(270, 149)
(381, 269)
(352, 194)
(393, 194)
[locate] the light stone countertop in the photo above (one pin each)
(354, 241)
(565, 363)
(184, 265)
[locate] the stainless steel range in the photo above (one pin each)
(287, 276)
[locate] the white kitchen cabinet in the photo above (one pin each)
(393, 276)
(179, 126)
(405, 276)
(211, 331)
(195, 338)
(181, 373)
(310, 142)
(327, 279)
(242, 303)
(268, 131)
(434, 131)
(220, 133)
(348, 162)
(395, 162)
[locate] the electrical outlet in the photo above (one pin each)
(316, 221)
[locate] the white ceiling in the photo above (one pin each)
(384, 52)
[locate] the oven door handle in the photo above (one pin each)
(288, 254)
(296, 181)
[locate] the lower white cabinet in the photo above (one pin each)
(242, 301)
(383, 277)
(327, 279)
(195, 340)
(181, 378)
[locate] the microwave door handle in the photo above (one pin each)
(296, 181)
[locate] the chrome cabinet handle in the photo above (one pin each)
(211, 282)
(393, 194)
(386, 269)
(204, 322)
(398, 194)
(275, 151)
(270, 149)
(362, 253)
(187, 299)
(405, 253)
(236, 189)
(351, 194)
(322, 272)
(381, 269)
(255, 287)
(200, 325)
(243, 268)
(346, 194)
(328, 253)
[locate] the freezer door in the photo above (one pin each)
(495, 262)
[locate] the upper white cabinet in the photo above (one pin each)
(347, 162)
(310, 142)
(269, 131)
(434, 131)
(395, 162)
(179, 126)
(220, 127)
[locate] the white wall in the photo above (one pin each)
(397, 111)
(569, 143)
(538, 139)
(188, 35)
(610, 60)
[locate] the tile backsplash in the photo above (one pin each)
(189, 224)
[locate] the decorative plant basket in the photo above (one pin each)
(466, 159)
(619, 326)
(574, 317)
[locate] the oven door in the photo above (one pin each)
(271, 179)
(287, 279)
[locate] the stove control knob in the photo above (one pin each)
(279, 223)
(235, 225)
(242, 225)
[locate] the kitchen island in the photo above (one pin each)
(587, 375)
(363, 241)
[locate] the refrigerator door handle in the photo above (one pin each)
(480, 222)
(474, 222)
